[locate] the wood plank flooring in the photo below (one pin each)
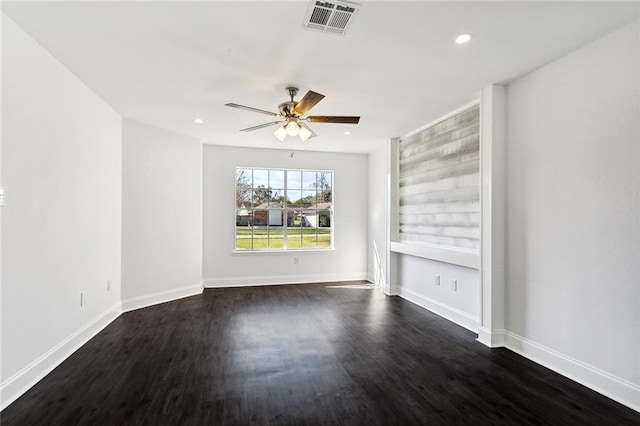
(301, 355)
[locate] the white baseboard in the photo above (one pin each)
(461, 318)
(282, 280)
(139, 302)
(613, 387)
(492, 339)
(16, 385)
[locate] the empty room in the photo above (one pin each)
(320, 212)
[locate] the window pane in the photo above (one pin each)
(277, 196)
(294, 180)
(260, 217)
(309, 198)
(291, 218)
(309, 238)
(324, 180)
(260, 243)
(243, 243)
(243, 237)
(324, 219)
(274, 217)
(294, 218)
(276, 238)
(260, 178)
(311, 217)
(324, 197)
(243, 187)
(303, 220)
(308, 180)
(324, 241)
(243, 197)
(243, 217)
(294, 196)
(261, 196)
(276, 179)
(324, 187)
(294, 241)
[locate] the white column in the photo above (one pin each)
(492, 155)
(391, 280)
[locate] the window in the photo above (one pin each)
(283, 209)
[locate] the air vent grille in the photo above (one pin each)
(330, 16)
(320, 16)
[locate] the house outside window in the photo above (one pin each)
(282, 209)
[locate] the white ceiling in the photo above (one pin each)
(398, 68)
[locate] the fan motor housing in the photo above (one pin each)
(286, 108)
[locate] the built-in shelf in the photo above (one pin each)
(456, 256)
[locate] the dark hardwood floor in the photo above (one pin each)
(301, 354)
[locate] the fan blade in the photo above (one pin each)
(307, 102)
(261, 126)
(261, 111)
(333, 119)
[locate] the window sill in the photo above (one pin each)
(281, 252)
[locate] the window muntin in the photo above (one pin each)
(280, 209)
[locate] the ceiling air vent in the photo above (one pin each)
(330, 16)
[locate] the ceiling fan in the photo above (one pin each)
(291, 116)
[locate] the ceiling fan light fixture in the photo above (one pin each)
(292, 128)
(280, 133)
(293, 115)
(305, 133)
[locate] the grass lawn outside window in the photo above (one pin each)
(270, 238)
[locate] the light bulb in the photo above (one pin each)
(281, 133)
(292, 128)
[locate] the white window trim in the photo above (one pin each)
(286, 250)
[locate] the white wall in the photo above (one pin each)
(458, 303)
(573, 215)
(161, 215)
(347, 262)
(61, 225)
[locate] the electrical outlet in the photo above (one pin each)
(108, 285)
(81, 299)
(454, 285)
(437, 280)
(296, 260)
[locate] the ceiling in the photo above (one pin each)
(167, 63)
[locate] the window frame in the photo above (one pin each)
(286, 209)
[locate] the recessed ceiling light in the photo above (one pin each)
(347, 133)
(463, 38)
(198, 121)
